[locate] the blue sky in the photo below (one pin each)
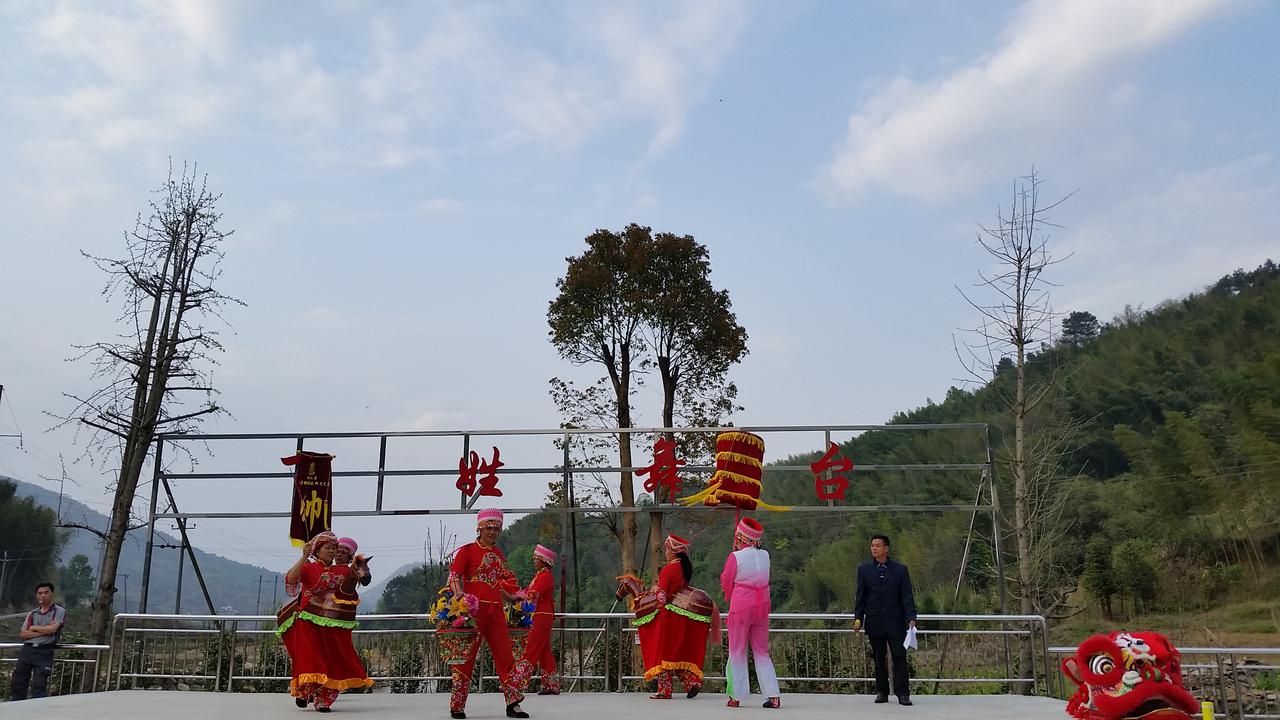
(405, 181)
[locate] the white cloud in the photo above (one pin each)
(985, 120)
(152, 76)
(432, 420)
(663, 68)
(441, 206)
(1174, 239)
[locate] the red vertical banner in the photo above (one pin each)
(312, 495)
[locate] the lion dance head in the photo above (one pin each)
(1128, 676)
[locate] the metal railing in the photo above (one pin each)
(1242, 683)
(813, 652)
(75, 667)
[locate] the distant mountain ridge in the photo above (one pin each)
(233, 586)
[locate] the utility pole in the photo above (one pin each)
(257, 604)
(177, 598)
(126, 590)
(4, 574)
(274, 587)
(19, 436)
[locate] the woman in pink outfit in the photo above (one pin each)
(745, 581)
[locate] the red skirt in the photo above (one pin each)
(682, 642)
(324, 656)
(650, 646)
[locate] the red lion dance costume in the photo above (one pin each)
(1128, 676)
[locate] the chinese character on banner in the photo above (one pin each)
(309, 513)
(467, 472)
(665, 468)
(832, 488)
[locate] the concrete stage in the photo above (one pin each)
(169, 705)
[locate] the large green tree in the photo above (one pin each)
(29, 541)
(75, 581)
(635, 301)
(595, 320)
(695, 338)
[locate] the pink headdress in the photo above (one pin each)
(489, 515)
(545, 554)
(750, 530)
(349, 544)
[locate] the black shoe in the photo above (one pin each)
(512, 712)
(904, 700)
(545, 691)
(300, 702)
(322, 709)
(457, 715)
(693, 691)
(882, 698)
(773, 703)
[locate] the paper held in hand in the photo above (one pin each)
(910, 642)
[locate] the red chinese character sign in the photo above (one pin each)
(665, 470)
(312, 495)
(737, 480)
(833, 487)
(469, 467)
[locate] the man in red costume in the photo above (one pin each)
(480, 569)
(541, 592)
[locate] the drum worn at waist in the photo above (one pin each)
(646, 604)
(692, 599)
(331, 613)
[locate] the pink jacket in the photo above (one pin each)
(745, 581)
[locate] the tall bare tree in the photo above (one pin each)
(1016, 318)
(156, 374)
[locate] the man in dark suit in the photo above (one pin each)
(884, 607)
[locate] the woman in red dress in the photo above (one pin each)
(681, 639)
(316, 630)
(541, 592)
(480, 569)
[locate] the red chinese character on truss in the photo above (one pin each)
(467, 473)
(832, 488)
(665, 468)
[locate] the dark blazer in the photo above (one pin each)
(884, 606)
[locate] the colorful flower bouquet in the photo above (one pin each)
(454, 613)
(455, 628)
(520, 614)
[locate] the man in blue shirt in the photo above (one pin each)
(40, 631)
(884, 607)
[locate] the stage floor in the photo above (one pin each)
(164, 705)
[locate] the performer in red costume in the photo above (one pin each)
(316, 628)
(480, 569)
(541, 592)
(682, 631)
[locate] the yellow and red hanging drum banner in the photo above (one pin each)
(737, 479)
